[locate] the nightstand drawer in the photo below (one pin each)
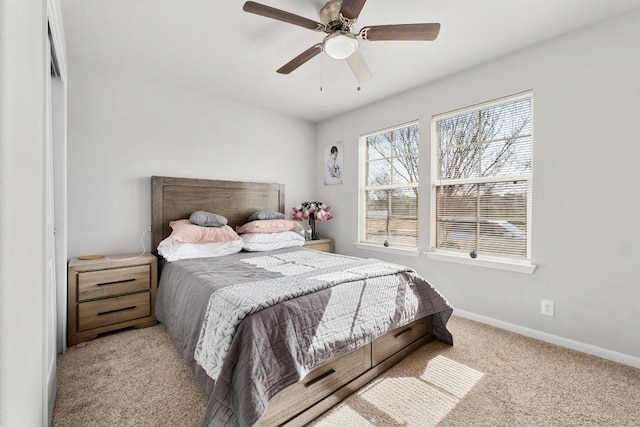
(95, 314)
(391, 343)
(117, 281)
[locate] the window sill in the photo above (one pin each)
(390, 250)
(499, 264)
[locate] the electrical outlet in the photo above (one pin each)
(149, 228)
(547, 308)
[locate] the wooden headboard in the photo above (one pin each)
(178, 198)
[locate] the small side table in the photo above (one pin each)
(110, 293)
(324, 245)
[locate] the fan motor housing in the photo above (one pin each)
(330, 15)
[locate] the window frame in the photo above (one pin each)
(363, 187)
(492, 261)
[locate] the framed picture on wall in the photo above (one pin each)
(333, 164)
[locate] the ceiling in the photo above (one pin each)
(215, 47)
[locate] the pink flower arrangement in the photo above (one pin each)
(318, 210)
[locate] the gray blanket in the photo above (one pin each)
(278, 344)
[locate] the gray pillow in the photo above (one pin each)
(261, 215)
(207, 219)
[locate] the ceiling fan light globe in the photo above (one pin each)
(340, 45)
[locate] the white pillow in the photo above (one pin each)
(172, 250)
(259, 242)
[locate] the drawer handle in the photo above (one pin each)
(116, 282)
(117, 310)
(396, 336)
(319, 378)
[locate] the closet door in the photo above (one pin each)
(54, 308)
(50, 317)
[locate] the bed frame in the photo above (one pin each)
(322, 388)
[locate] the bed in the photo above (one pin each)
(278, 337)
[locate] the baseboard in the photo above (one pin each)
(614, 356)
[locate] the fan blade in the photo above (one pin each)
(281, 15)
(351, 8)
(400, 32)
(359, 68)
(300, 59)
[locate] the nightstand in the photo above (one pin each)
(110, 293)
(324, 245)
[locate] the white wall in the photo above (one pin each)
(124, 128)
(22, 131)
(586, 239)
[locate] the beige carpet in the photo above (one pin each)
(490, 377)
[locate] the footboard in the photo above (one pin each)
(334, 381)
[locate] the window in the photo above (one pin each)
(389, 184)
(482, 179)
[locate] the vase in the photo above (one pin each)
(312, 225)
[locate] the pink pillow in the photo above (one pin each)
(268, 226)
(187, 232)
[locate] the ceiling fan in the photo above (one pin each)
(338, 19)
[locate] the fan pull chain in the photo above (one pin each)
(359, 75)
(320, 73)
